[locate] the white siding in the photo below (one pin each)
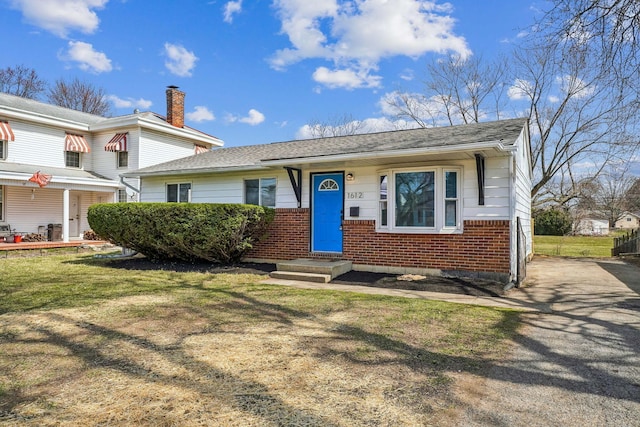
(155, 147)
(41, 145)
(229, 188)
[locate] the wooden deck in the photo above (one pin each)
(7, 247)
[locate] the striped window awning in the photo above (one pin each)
(201, 149)
(76, 143)
(6, 134)
(117, 143)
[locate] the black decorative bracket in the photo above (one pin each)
(296, 183)
(480, 172)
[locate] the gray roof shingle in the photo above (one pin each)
(503, 131)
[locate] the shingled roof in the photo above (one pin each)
(503, 133)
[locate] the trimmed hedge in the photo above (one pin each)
(182, 231)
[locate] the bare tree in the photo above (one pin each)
(609, 194)
(21, 81)
(633, 196)
(457, 90)
(79, 95)
(610, 29)
(577, 117)
(335, 126)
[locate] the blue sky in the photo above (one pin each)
(254, 71)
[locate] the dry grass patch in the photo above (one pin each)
(205, 349)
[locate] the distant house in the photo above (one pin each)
(454, 200)
(629, 220)
(55, 162)
(592, 226)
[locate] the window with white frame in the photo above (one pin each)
(72, 159)
(3, 149)
(123, 159)
(122, 196)
(261, 192)
(420, 200)
(179, 193)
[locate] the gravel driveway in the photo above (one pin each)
(576, 363)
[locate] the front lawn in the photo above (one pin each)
(573, 246)
(86, 341)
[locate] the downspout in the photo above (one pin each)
(126, 184)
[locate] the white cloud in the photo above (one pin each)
(179, 61)
(348, 79)
(129, 102)
(407, 74)
(87, 58)
(553, 99)
(200, 114)
(254, 118)
(231, 8)
(61, 16)
(575, 86)
(357, 35)
(519, 90)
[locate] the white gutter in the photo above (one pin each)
(24, 178)
(391, 153)
(43, 119)
(217, 169)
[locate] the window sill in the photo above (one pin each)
(443, 231)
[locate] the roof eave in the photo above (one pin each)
(193, 171)
(16, 113)
(497, 145)
(150, 124)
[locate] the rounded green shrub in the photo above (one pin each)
(182, 231)
(552, 222)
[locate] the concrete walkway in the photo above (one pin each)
(577, 365)
(515, 298)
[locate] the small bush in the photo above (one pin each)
(182, 231)
(90, 235)
(552, 222)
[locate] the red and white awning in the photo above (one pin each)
(117, 143)
(201, 149)
(76, 143)
(6, 134)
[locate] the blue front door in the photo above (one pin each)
(326, 212)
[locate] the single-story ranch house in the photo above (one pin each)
(450, 200)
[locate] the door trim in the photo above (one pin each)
(312, 211)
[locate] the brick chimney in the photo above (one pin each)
(175, 106)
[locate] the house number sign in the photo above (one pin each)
(355, 195)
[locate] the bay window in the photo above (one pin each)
(420, 200)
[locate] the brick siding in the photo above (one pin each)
(287, 238)
(483, 247)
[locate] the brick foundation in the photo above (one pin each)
(483, 247)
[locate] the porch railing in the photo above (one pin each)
(627, 244)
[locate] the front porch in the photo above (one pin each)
(42, 247)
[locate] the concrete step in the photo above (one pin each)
(316, 266)
(302, 276)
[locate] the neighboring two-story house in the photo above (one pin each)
(56, 162)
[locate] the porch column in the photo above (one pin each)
(65, 215)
